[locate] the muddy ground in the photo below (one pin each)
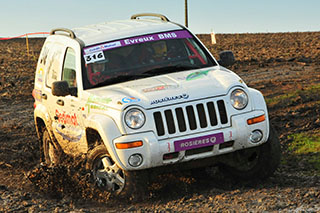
(276, 63)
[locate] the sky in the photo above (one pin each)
(18, 17)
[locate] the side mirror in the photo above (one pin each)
(60, 88)
(226, 58)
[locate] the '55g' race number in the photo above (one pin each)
(93, 57)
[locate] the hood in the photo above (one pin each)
(168, 89)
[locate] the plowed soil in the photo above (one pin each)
(277, 64)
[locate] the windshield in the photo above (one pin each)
(143, 56)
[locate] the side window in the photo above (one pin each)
(53, 63)
(44, 53)
(69, 68)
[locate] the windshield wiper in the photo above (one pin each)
(171, 69)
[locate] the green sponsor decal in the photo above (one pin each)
(96, 99)
(95, 102)
(197, 75)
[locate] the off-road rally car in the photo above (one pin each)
(144, 95)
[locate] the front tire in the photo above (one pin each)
(110, 177)
(256, 163)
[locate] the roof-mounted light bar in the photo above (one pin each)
(70, 33)
(162, 17)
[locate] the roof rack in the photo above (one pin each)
(71, 34)
(162, 17)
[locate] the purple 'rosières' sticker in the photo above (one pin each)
(198, 142)
(138, 40)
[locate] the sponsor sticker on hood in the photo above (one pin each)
(171, 98)
(197, 75)
(159, 88)
(130, 99)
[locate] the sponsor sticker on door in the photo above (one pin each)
(198, 142)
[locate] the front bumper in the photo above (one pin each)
(157, 153)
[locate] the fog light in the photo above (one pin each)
(135, 160)
(256, 136)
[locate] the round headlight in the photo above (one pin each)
(239, 99)
(134, 118)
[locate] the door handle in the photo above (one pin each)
(60, 102)
(44, 96)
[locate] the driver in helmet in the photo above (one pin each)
(98, 67)
(160, 50)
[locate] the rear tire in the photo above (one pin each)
(110, 177)
(256, 163)
(51, 154)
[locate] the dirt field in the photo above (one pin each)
(285, 67)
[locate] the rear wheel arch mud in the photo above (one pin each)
(51, 153)
(40, 127)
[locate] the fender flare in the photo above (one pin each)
(108, 131)
(258, 103)
(41, 112)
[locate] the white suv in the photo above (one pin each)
(145, 93)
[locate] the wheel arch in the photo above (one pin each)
(40, 126)
(105, 128)
(259, 103)
(257, 99)
(93, 138)
(41, 119)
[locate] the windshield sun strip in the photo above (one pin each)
(96, 49)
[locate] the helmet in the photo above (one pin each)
(160, 49)
(98, 67)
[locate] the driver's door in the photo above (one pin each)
(65, 111)
(68, 123)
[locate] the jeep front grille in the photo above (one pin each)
(190, 117)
